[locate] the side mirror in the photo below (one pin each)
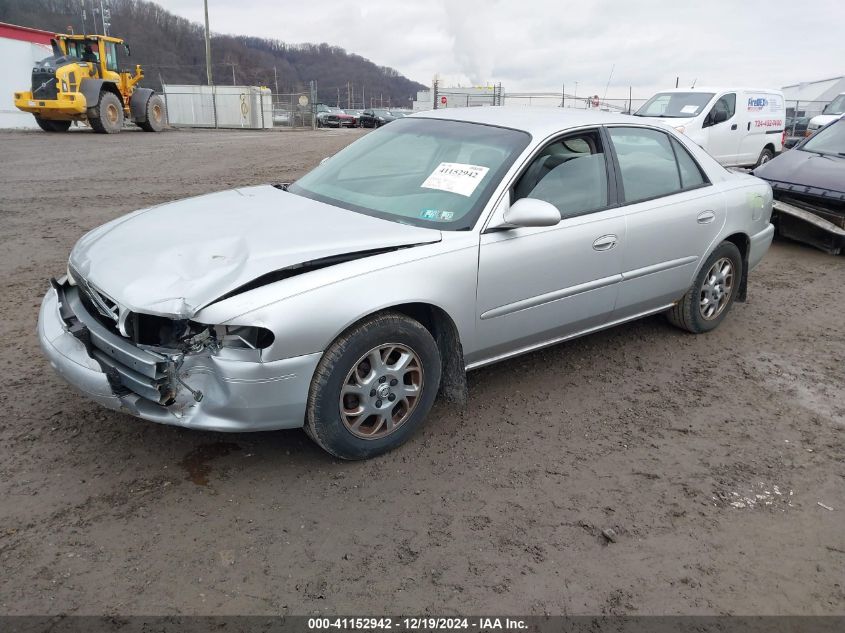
(127, 49)
(530, 212)
(826, 109)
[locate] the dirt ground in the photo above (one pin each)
(711, 457)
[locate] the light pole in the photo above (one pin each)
(208, 47)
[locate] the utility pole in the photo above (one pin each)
(276, 79)
(233, 73)
(103, 13)
(338, 96)
(207, 47)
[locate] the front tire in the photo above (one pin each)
(107, 117)
(373, 387)
(52, 126)
(713, 292)
(155, 115)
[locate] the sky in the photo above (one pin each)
(541, 45)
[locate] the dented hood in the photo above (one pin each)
(173, 259)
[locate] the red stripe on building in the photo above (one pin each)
(25, 34)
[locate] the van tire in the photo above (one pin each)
(765, 156)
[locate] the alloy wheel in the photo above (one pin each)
(381, 391)
(717, 289)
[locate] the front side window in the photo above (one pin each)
(722, 110)
(111, 56)
(837, 106)
(424, 172)
(570, 173)
(646, 162)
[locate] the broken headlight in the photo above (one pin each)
(244, 336)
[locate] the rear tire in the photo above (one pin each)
(765, 156)
(52, 126)
(107, 116)
(713, 292)
(373, 387)
(156, 115)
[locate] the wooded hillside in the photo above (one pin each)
(171, 50)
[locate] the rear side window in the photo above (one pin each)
(691, 174)
(646, 162)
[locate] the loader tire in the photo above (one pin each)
(156, 115)
(52, 126)
(107, 116)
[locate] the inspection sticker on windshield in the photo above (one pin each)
(456, 178)
(689, 109)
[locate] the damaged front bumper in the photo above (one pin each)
(237, 395)
(811, 227)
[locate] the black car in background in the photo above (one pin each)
(808, 183)
(796, 130)
(375, 117)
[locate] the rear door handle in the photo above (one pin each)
(706, 217)
(605, 242)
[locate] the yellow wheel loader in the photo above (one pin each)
(81, 81)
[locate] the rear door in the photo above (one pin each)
(536, 285)
(673, 216)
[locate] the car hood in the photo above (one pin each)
(173, 259)
(798, 167)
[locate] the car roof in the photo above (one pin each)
(537, 121)
(705, 89)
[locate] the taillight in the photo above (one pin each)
(783, 139)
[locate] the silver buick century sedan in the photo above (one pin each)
(448, 240)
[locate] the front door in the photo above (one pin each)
(723, 136)
(536, 285)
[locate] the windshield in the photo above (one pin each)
(837, 106)
(675, 105)
(424, 172)
(829, 141)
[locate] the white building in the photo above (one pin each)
(20, 48)
(459, 97)
(809, 98)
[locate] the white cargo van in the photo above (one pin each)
(739, 127)
(832, 111)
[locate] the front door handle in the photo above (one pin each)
(605, 242)
(733, 127)
(706, 217)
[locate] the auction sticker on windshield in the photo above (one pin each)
(456, 178)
